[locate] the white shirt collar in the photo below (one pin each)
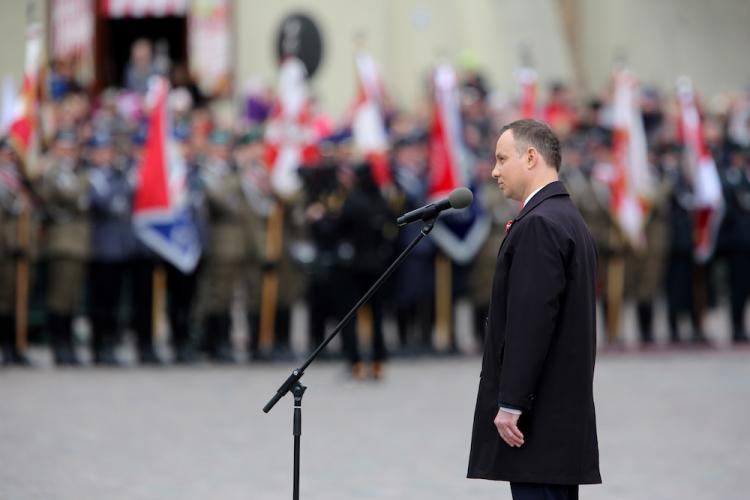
(531, 196)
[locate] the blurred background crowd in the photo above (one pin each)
(274, 237)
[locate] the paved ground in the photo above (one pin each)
(673, 425)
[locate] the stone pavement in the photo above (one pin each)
(672, 425)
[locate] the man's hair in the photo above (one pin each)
(538, 135)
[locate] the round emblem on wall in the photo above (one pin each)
(299, 36)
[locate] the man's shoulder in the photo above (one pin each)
(559, 210)
(556, 217)
(540, 224)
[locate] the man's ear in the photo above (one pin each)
(531, 157)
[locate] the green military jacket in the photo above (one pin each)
(64, 192)
(236, 230)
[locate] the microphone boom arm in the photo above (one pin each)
(299, 372)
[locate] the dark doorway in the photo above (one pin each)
(169, 32)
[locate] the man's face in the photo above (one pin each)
(510, 169)
(102, 156)
(66, 151)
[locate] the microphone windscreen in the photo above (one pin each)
(460, 197)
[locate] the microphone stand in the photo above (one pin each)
(293, 384)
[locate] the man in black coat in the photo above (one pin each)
(534, 423)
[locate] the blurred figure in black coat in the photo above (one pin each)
(680, 284)
(366, 223)
(330, 288)
(736, 237)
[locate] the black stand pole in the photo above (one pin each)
(297, 391)
(293, 384)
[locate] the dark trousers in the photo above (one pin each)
(325, 302)
(362, 282)
(106, 282)
(533, 491)
(645, 311)
(351, 337)
(680, 293)
(739, 290)
(181, 290)
(416, 318)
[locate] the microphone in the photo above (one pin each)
(458, 198)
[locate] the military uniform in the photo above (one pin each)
(591, 194)
(12, 199)
(233, 229)
(292, 279)
(646, 268)
(113, 250)
(65, 191)
(182, 287)
(256, 189)
(736, 242)
(680, 282)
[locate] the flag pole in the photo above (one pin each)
(615, 288)
(22, 277)
(270, 287)
(158, 299)
(443, 302)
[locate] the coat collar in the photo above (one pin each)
(552, 189)
(555, 188)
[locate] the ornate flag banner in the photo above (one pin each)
(161, 213)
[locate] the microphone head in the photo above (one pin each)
(460, 197)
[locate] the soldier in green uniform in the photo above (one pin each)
(257, 191)
(12, 194)
(590, 191)
(646, 266)
(65, 190)
(233, 242)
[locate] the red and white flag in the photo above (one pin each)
(446, 144)
(631, 181)
(708, 200)
(162, 218)
(527, 79)
(23, 132)
(291, 138)
(368, 121)
(461, 233)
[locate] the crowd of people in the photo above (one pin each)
(338, 232)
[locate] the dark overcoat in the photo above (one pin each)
(540, 348)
